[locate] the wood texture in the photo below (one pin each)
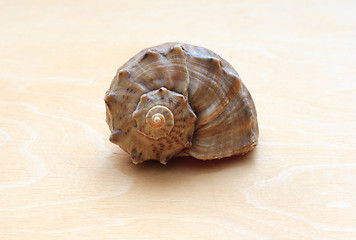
(60, 177)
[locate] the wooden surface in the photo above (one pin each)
(60, 177)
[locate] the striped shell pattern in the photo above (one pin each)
(180, 100)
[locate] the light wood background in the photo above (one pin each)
(60, 177)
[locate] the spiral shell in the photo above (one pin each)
(179, 100)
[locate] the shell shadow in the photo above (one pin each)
(181, 167)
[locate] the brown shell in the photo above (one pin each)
(201, 106)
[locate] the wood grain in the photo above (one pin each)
(60, 177)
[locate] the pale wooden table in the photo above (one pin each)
(60, 177)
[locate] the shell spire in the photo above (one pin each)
(176, 100)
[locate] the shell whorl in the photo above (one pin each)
(160, 118)
(155, 119)
(178, 99)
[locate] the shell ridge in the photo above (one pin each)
(216, 133)
(214, 100)
(125, 81)
(154, 70)
(179, 54)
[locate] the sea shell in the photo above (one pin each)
(180, 100)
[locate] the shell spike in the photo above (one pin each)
(124, 74)
(110, 98)
(163, 160)
(115, 136)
